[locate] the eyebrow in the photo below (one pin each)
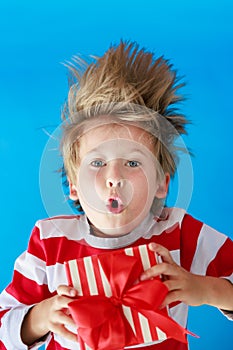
(138, 151)
(134, 151)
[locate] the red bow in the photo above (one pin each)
(100, 320)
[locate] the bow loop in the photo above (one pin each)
(123, 271)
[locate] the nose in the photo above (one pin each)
(114, 183)
(113, 176)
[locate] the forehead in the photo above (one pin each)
(115, 134)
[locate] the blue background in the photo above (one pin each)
(37, 36)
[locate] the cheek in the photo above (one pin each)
(99, 180)
(144, 178)
(86, 184)
(144, 185)
(139, 181)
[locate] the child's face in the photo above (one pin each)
(117, 178)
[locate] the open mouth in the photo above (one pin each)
(115, 205)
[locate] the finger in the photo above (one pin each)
(64, 332)
(64, 319)
(171, 297)
(162, 251)
(61, 302)
(173, 284)
(67, 290)
(164, 269)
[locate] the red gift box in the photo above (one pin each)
(115, 309)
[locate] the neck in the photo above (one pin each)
(96, 232)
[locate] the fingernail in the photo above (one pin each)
(143, 277)
(72, 292)
(152, 246)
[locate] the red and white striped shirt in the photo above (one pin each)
(40, 270)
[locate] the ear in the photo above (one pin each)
(73, 191)
(163, 187)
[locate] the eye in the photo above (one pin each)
(98, 163)
(133, 163)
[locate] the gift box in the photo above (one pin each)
(115, 309)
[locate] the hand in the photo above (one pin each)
(50, 315)
(182, 285)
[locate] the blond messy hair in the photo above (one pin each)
(133, 86)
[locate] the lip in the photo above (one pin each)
(115, 209)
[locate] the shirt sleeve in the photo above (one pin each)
(206, 251)
(28, 287)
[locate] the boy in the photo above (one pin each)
(119, 155)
